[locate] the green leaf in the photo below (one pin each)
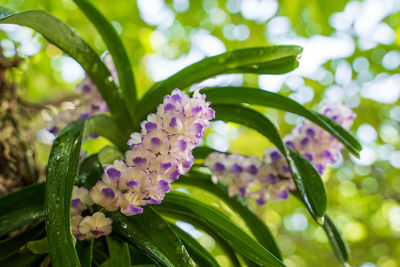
(10, 245)
(62, 36)
(232, 234)
(21, 207)
(118, 251)
(201, 256)
(26, 259)
(307, 180)
(84, 248)
(255, 224)
(117, 50)
(336, 240)
(38, 246)
(254, 96)
(90, 172)
(105, 126)
(61, 173)
(108, 154)
(271, 59)
(310, 186)
(152, 234)
(202, 152)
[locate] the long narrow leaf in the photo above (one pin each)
(21, 207)
(270, 59)
(239, 240)
(196, 251)
(62, 36)
(26, 259)
(152, 234)
(90, 172)
(306, 178)
(120, 56)
(84, 248)
(238, 95)
(336, 240)
(10, 245)
(255, 224)
(105, 126)
(61, 173)
(310, 186)
(119, 252)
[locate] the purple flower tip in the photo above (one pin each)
(182, 145)
(139, 161)
(150, 126)
(134, 210)
(155, 202)
(308, 156)
(187, 164)
(169, 107)
(197, 109)
(285, 169)
(133, 184)
(198, 128)
(174, 175)
(237, 168)
(305, 141)
(242, 191)
(54, 130)
(253, 169)
(155, 141)
(113, 173)
(176, 98)
(290, 143)
(86, 88)
(219, 167)
(166, 165)
(272, 178)
(283, 194)
(275, 155)
(310, 132)
(75, 202)
(84, 116)
(108, 192)
(164, 186)
(95, 107)
(96, 231)
(327, 154)
(320, 168)
(173, 123)
(261, 201)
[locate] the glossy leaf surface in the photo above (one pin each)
(152, 234)
(232, 234)
(117, 50)
(21, 207)
(270, 59)
(61, 174)
(254, 96)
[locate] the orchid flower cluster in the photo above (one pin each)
(158, 155)
(87, 227)
(261, 180)
(90, 103)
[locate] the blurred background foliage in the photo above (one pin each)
(351, 55)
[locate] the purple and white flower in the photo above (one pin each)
(262, 180)
(94, 226)
(80, 200)
(89, 103)
(158, 155)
